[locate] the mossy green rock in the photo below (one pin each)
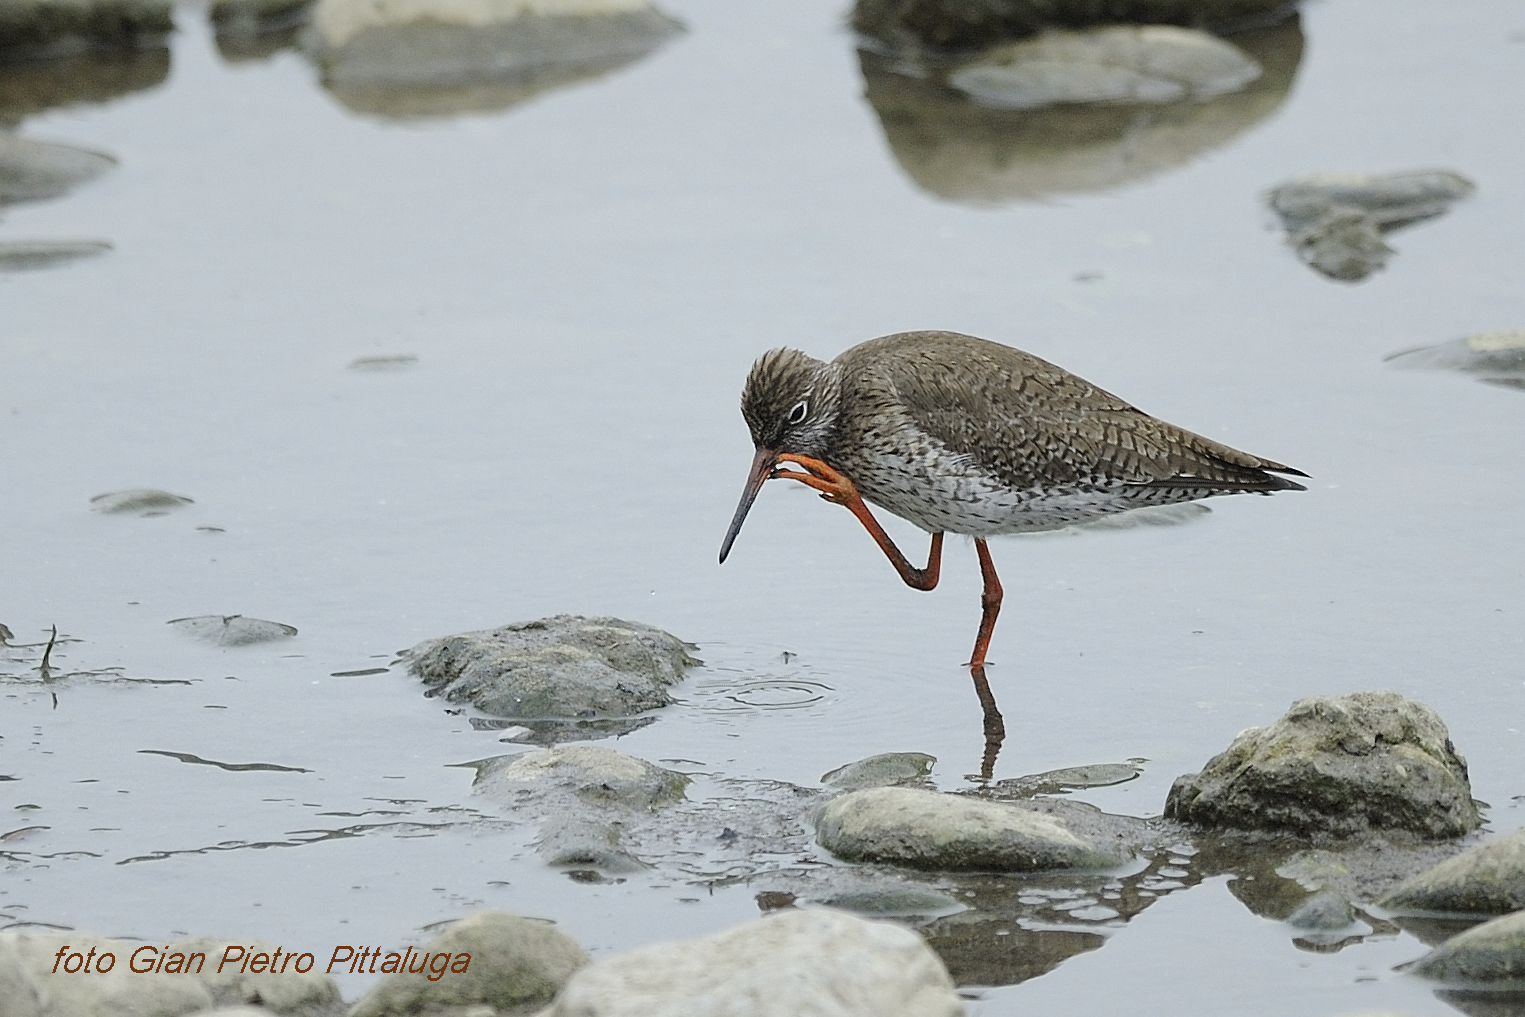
(1336, 765)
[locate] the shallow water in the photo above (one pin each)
(584, 280)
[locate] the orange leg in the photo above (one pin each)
(990, 604)
(838, 490)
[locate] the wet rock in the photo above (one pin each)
(883, 770)
(1050, 782)
(232, 629)
(18, 255)
(34, 170)
(788, 963)
(1323, 912)
(1489, 879)
(566, 667)
(1338, 766)
(514, 965)
(1336, 222)
(585, 844)
(927, 830)
(962, 25)
(963, 151)
(1150, 64)
(1490, 955)
(140, 501)
(36, 86)
(45, 29)
(1498, 357)
(423, 58)
(29, 985)
(590, 773)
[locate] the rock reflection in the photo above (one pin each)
(962, 151)
(256, 29)
(33, 87)
(427, 59)
(1495, 357)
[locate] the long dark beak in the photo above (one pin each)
(762, 469)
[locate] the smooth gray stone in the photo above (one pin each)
(35, 170)
(1490, 955)
(233, 629)
(883, 770)
(1340, 766)
(1120, 64)
(950, 833)
(584, 844)
(50, 29)
(944, 26)
(1488, 879)
(1344, 244)
(564, 667)
(1392, 200)
(1323, 912)
(516, 966)
(1502, 352)
(593, 774)
(788, 963)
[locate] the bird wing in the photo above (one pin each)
(1033, 423)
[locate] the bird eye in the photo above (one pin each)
(800, 412)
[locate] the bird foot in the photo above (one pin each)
(833, 486)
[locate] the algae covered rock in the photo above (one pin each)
(566, 667)
(950, 833)
(789, 963)
(1335, 765)
(1489, 879)
(513, 965)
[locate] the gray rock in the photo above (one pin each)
(1491, 955)
(952, 833)
(141, 501)
(1338, 766)
(1489, 879)
(565, 667)
(943, 26)
(964, 151)
(514, 965)
(883, 770)
(1147, 65)
(589, 773)
(1059, 781)
(585, 844)
(1336, 222)
(19, 255)
(30, 988)
(1323, 912)
(788, 963)
(35, 170)
(49, 29)
(1497, 356)
(232, 629)
(441, 57)
(279, 988)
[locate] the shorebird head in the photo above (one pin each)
(790, 404)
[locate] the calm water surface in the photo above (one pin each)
(584, 280)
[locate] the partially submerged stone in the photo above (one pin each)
(788, 963)
(19, 255)
(1339, 766)
(1498, 356)
(1336, 221)
(47, 29)
(590, 773)
(958, 26)
(169, 980)
(883, 770)
(34, 170)
(1489, 879)
(142, 501)
(1324, 911)
(574, 843)
(411, 58)
(492, 959)
(566, 667)
(950, 833)
(232, 629)
(1491, 955)
(1141, 65)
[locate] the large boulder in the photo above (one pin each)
(789, 963)
(564, 668)
(1339, 766)
(1487, 880)
(950, 833)
(513, 965)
